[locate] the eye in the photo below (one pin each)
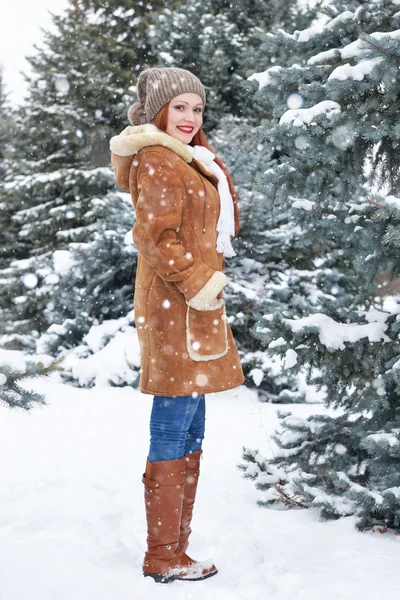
(200, 110)
(179, 106)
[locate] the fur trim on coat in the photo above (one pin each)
(134, 138)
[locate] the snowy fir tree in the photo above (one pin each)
(251, 272)
(5, 126)
(7, 135)
(57, 191)
(93, 280)
(221, 48)
(336, 128)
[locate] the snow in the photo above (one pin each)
(374, 315)
(246, 291)
(303, 204)
(345, 16)
(356, 72)
(315, 29)
(394, 200)
(323, 57)
(302, 116)
(257, 375)
(333, 335)
(72, 517)
(290, 358)
(395, 491)
(264, 78)
(389, 438)
(396, 366)
(109, 354)
(62, 261)
(275, 343)
(354, 49)
(15, 360)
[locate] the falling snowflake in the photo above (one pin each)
(295, 101)
(342, 137)
(166, 303)
(201, 379)
(29, 280)
(61, 84)
(340, 449)
(301, 142)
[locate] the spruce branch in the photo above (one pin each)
(379, 47)
(15, 395)
(290, 500)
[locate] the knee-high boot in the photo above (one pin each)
(192, 472)
(164, 560)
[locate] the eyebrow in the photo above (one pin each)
(183, 102)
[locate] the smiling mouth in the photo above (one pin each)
(185, 129)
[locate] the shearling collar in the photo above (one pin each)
(134, 138)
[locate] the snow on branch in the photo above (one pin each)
(334, 335)
(356, 72)
(302, 116)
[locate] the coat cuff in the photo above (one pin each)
(209, 291)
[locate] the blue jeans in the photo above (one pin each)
(177, 426)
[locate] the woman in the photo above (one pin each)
(186, 213)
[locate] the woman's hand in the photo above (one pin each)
(213, 302)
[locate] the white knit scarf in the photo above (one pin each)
(226, 221)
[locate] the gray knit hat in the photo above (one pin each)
(158, 86)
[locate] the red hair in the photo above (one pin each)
(199, 139)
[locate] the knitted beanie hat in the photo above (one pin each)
(157, 86)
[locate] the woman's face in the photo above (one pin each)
(185, 116)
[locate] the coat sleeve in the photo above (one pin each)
(158, 220)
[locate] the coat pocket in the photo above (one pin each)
(206, 332)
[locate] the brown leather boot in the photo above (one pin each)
(192, 472)
(164, 561)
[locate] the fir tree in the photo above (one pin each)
(58, 187)
(5, 125)
(259, 256)
(220, 48)
(93, 279)
(338, 146)
(7, 235)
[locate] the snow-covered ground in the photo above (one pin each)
(72, 517)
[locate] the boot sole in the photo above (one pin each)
(159, 578)
(165, 579)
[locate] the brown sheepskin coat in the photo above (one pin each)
(186, 345)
